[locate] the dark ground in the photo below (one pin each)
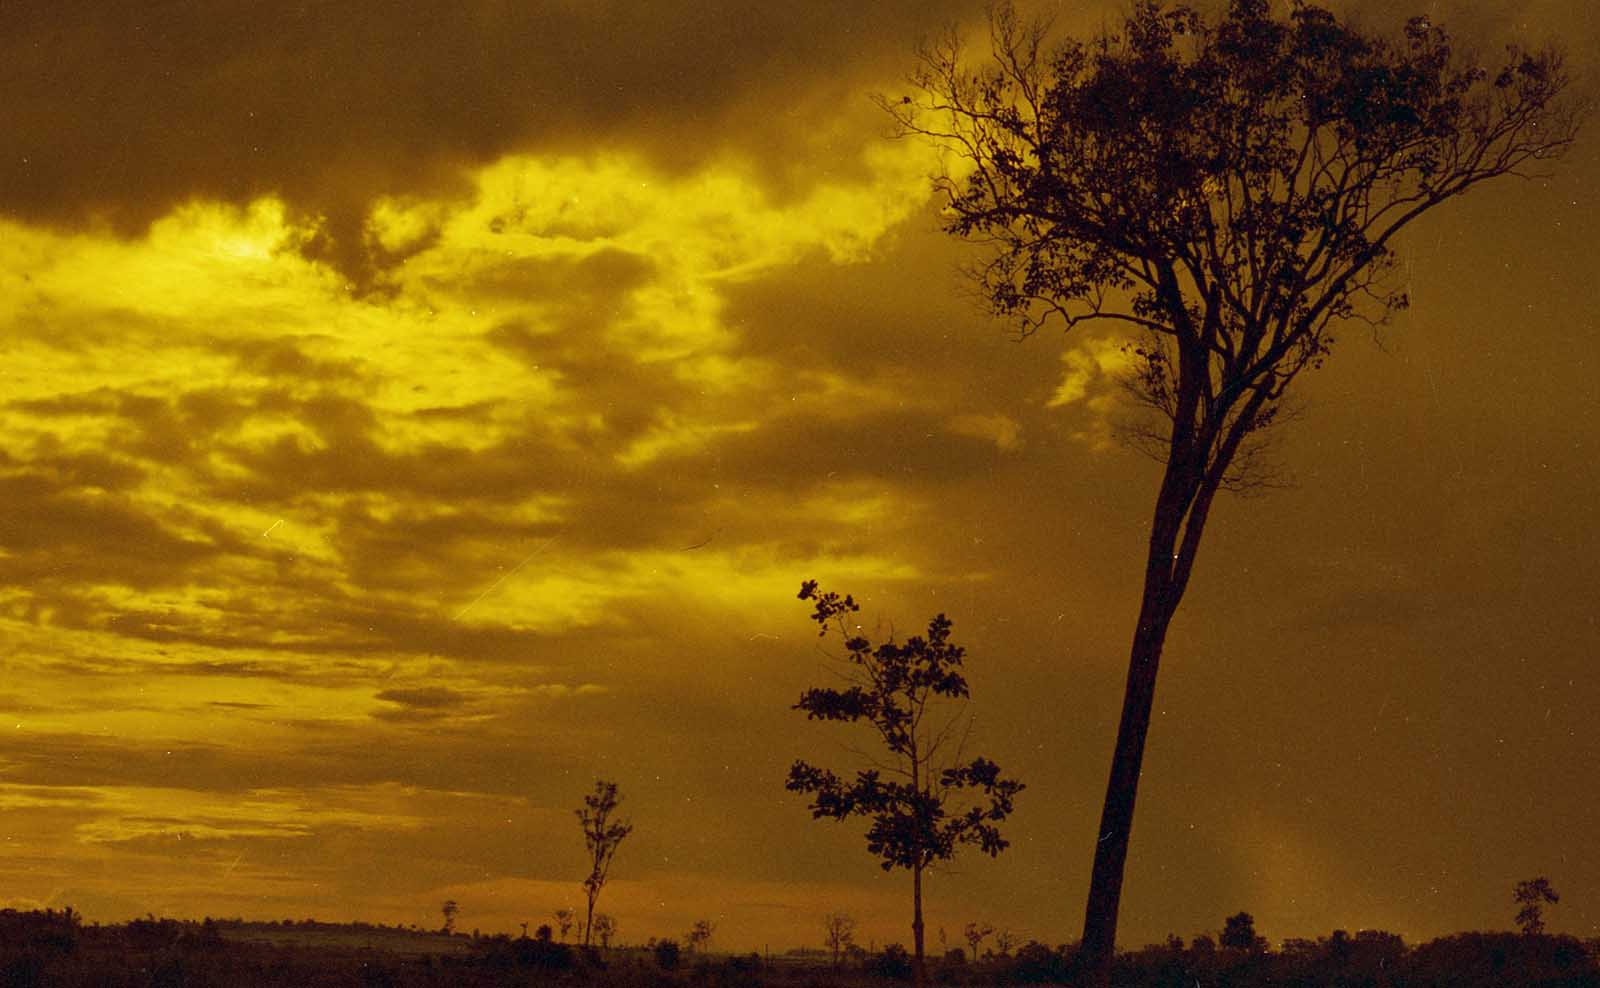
(52, 949)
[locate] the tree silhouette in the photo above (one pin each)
(449, 909)
(1228, 191)
(699, 935)
(1004, 940)
(838, 933)
(601, 834)
(1239, 933)
(975, 933)
(1532, 896)
(564, 921)
(911, 800)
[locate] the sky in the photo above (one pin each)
(415, 412)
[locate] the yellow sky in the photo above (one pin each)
(401, 435)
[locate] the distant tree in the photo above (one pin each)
(449, 909)
(1338, 944)
(1230, 190)
(601, 834)
(699, 935)
(916, 817)
(838, 933)
(975, 933)
(1004, 940)
(544, 934)
(1532, 895)
(564, 921)
(605, 928)
(1239, 933)
(1300, 948)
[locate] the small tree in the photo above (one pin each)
(449, 909)
(1532, 896)
(1004, 940)
(605, 928)
(564, 921)
(916, 819)
(838, 933)
(699, 935)
(1230, 190)
(601, 834)
(975, 933)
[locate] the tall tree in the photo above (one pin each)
(601, 834)
(915, 799)
(1229, 191)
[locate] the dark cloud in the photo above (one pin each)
(421, 702)
(54, 530)
(118, 113)
(584, 291)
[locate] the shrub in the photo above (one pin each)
(894, 963)
(667, 954)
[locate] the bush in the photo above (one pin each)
(1036, 964)
(894, 963)
(540, 955)
(667, 954)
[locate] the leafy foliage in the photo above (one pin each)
(1230, 190)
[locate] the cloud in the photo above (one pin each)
(1089, 364)
(107, 130)
(424, 697)
(1004, 431)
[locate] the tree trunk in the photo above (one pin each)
(588, 922)
(919, 972)
(1161, 595)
